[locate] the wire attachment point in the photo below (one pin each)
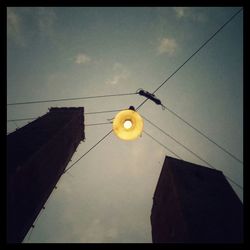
(150, 96)
(163, 107)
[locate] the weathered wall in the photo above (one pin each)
(195, 204)
(37, 155)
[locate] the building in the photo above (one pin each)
(195, 204)
(37, 155)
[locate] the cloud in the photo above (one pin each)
(120, 73)
(18, 20)
(180, 11)
(14, 27)
(46, 19)
(167, 45)
(97, 232)
(82, 59)
(188, 13)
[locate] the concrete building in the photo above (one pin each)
(37, 155)
(195, 204)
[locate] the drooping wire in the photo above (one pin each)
(85, 125)
(203, 45)
(88, 125)
(22, 119)
(88, 113)
(175, 140)
(162, 145)
(189, 150)
(95, 124)
(66, 170)
(201, 133)
(105, 111)
(70, 99)
(168, 79)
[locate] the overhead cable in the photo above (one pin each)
(229, 20)
(88, 113)
(176, 141)
(203, 45)
(66, 170)
(70, 99)
(197, 130)
(94, 124)
(189, 150)
(100, 112)
(162, 145)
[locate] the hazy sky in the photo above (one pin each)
(74, 52)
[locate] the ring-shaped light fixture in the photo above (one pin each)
(128, 125)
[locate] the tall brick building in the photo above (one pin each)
(195, 204)
(37, 155)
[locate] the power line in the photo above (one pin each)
(189, 150)
(176, 141)
(70, 99)
(88, 113)
(94, 124)
(165, 82)
(22, 119)
(158, 143)
(162, 145)
(85, 125)
(105, 111)
(204, 44)
(66, 170)
(197, 130)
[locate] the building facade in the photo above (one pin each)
(37, 155)
(195, 204)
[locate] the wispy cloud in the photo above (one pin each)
(189, 13)
(167, 45)
(82, 58)
(120, 73)
(43, 18)
(14, 27)
(98, 231)
(180, 11)
(46, 19)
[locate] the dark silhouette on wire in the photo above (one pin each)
(204, 44)
(157, 101)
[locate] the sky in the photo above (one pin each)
(68, 52)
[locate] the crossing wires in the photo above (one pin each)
(181, 144)
(187, 60)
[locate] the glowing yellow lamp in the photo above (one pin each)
(128, 124)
